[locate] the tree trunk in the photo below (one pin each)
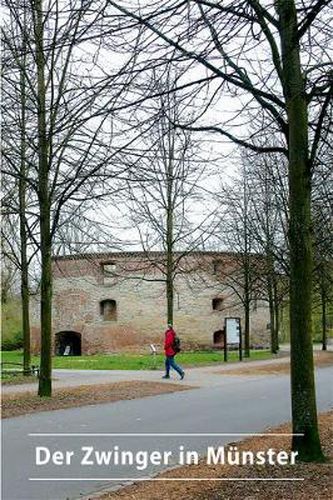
(25, 313)
(45, 386)
(323, 321)
(276, 316)
(169, 269)
(273, 309)
(23, 231)
(169, 249)
(274, 349)
(247, 268)
(303, 398)
(271, 296)
(247, 328)
(170, 222)
(247, 303)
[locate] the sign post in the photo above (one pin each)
(153, 352)
(233, 336)
(225, 347)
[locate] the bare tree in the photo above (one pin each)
(16, 199)
(164, 189)
(322, 207)
(294, 94)
(236, 213)
(67, 133)
(268, 185)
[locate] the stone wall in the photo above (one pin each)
(82, 284)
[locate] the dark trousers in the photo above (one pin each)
(171, 363)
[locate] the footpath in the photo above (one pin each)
(206, 376)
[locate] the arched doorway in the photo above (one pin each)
(218, 339)
(68, 343)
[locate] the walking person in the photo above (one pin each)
(170, 352)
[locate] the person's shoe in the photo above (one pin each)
(166, 376)
(182, 376)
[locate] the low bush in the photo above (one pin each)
(13, 343)
(11, 326)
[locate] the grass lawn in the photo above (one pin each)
(132, 361)
(15, 379)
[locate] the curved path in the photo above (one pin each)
(205, 376)
(227, 405)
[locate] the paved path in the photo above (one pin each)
(235, 405)
(206, 376)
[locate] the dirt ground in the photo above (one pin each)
(321, 359)
(317, 484)
(28, 402)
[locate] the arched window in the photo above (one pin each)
(108, 310)
(218, 337)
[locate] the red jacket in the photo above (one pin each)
(168, 342)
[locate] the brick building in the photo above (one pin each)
(116, 301)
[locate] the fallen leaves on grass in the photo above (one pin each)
(20, 404)
(317, 484)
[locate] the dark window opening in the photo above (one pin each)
(109, 268)
(108, 272)
(217, 266)
(218, 337)
(217, 304)
(68, 344)
(108, 309)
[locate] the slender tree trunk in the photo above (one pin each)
(247, 303)
(169, 269)
(23, 231)
(276, 315)
(273, 309)
(247, 268)
(169, 227)
(304, 412)
(323, 321)
(272, 317)
(247, 329)
(284, 330)
(271, 286)
(45, 386)
(25, 306)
